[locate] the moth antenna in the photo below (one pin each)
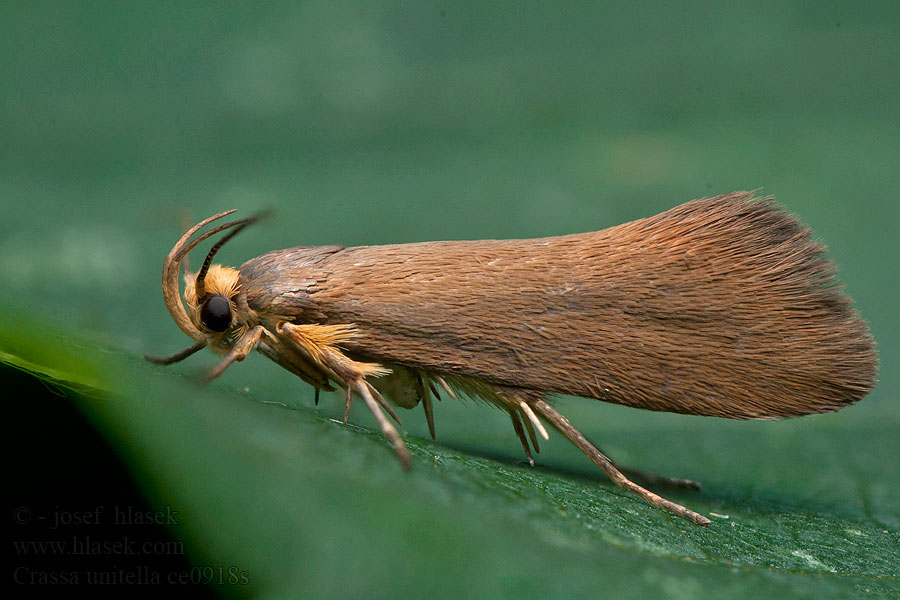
(185, 219)
(200, 283)
(186, 263)
(171, 291)
(182, 252)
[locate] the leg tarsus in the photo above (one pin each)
(598, 458)
(531, 434)
(347, 404)
(362, 388)
(517, 425)
(384, 404)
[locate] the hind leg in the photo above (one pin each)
(562, 424)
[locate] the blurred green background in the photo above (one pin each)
(377, 122)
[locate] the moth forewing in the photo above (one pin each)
(722, 306)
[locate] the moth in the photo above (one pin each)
(722, 307)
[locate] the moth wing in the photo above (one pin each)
(721, 307)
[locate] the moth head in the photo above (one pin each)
(212, 294)
(211, 298)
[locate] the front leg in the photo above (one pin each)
(242, 347)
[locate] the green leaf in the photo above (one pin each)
(360, 123)
(310, 507)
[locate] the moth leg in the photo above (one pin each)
(295, 361)
(384, 404)
(424, 393)
(444, 385)
(239, 351)
(531, 434)
(378, 397)
(429, 414)
(364, 389)
(532, 418)
(320, 341)
(598, 458)
(177, 357)
(517, 425)
(347, 404)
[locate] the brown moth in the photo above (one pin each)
(721, 306)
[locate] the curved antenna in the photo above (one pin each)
(200, 284)
(171, 291)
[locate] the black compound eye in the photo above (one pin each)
(216, 313)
